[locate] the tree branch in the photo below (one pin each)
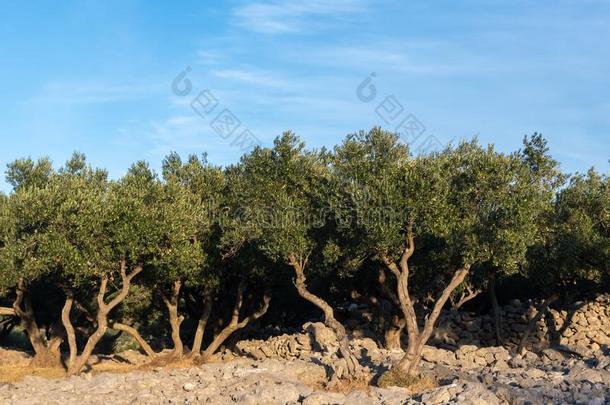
(5, 311)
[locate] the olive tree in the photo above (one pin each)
(186, 259)
(119, 238)
(48, 212)
(467, 205)
(6, 223)
(542, 176)
(277, 208)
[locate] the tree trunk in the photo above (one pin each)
(393, 332)
(47, 354)
(203, 321)
(496, 309)
(466, 296)
(175, 320)
(4, 311)
(235, 324)
(136, 335)
(540, 311)
(410, 361)
(395, 325)
(102, 315)
(65, 318)
(416, 339)
(300, 282)
(28, 322)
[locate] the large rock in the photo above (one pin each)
(323, 338)
(438, 356)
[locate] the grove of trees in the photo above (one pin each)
(185, 258)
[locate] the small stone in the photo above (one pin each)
(188, 387)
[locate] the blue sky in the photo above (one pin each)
(96, 76)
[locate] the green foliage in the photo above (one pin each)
(272, 200)
(24, 173)
(577, 245)
(340, 210)
(469, 204)
(52, 223)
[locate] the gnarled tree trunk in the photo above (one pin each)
(393, 332)
(235, 325)
(136, 335)
(300, 282)
(203, 321)
(65, 318)
(465, 297)
(47, 354)
(416, 338)
(4, 311)
(175, 320)
(396, 324)
(102, 315)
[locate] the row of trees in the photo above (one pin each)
(445, 225)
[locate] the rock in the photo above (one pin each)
(583, 373)
(324, 398)
(434, 355)
(324, 339)
(468, 349)
(500, 365)
(553, 355)
(188, 387)
(535, 373)
(366, 347)
(517, 362)
(438, 396)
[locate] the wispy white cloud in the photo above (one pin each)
(274, 17)
(91, 92)
(209, 57)
(252, 76)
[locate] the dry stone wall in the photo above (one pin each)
(584, 326)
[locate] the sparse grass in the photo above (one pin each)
(346, 386)
(15, 373)
(414, 383)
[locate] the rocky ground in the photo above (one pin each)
(297, 368)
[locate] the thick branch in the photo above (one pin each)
(27, 317)
(126, 279)
(386, 290)
(136, 335)
(238, 301)
(456, 280)
(469, 295)
(175, 320)
(5, 311)
(234, 326)
(203, 321)
(300, 282)
(102, 315)
(406, 305)
(410, 247)
(65, 319)
(408, 364)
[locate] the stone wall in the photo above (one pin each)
(582, 325)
